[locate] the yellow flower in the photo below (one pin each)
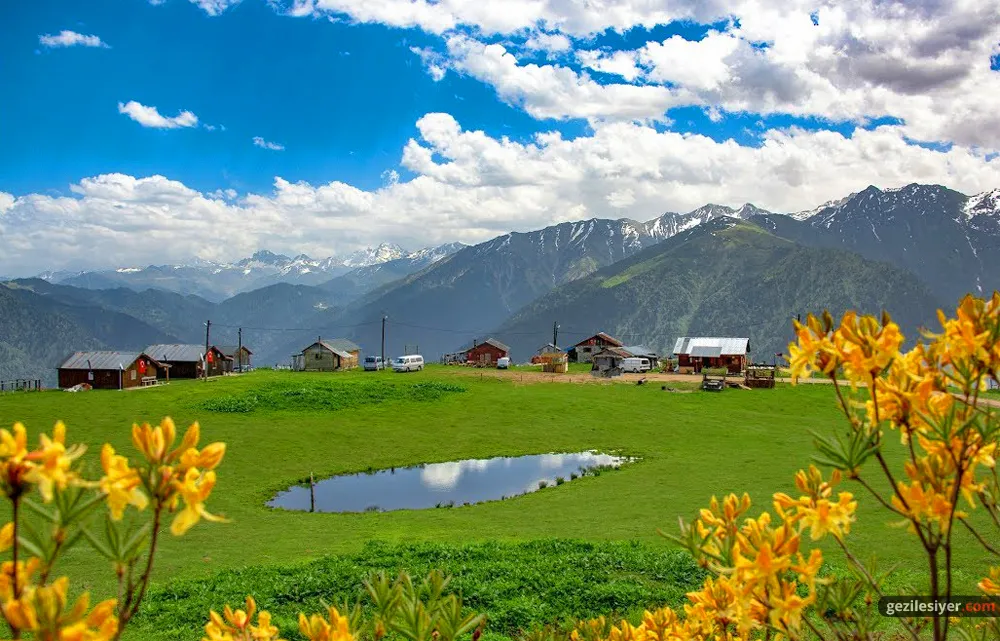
(120, 483)
(334, 628)
(7, 537)
(991, 584)
(25, 571)
(814, 349)
(14, 463)
(54, 463)
(866, 346)
(153, 442)
(195, 490)
(44, 612)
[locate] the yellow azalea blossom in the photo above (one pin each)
(236, 625)
(814, 350)
(120, 483)
(14, 463)
(991, 584)
(333, 628)
(25, 572)
(54, 462)
(206, 459)
(195, 490)
(6, 537)
(154, 442)
(45, 611)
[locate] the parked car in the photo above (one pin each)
(373, 363)
(409, 363)
(636, 365)
(503, 363)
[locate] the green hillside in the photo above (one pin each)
(724, 278)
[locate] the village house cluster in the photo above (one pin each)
(155, 364)
(607, 355)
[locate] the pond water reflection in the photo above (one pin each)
(443, 484)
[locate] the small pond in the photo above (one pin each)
(444, 484)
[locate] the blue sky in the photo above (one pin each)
(654, 111)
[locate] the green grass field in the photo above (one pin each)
(282, 426)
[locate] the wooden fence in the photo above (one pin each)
(21, 385)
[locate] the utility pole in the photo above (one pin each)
(555, 333)
(383, 339)
(239, 349)
(208, 328)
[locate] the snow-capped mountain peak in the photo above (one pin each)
(373, 256)
(984, 204)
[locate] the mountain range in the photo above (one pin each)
(716, 270)
(217, 281)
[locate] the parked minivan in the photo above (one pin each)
(409, 363)
(503, 363)
(635, 365)
(373, 363)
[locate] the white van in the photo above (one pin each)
(636, 365)
(373, 363)
(410, 363)
(503, 363)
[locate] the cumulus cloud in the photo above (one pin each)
(71, 39)
(263, 144)
(925, 63)
(151, 117)
(469, 186)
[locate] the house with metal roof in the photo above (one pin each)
(190, 360)
(111, 370)
(328, 355)
(641, 351)
(696, 352)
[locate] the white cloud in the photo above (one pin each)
(263, 144)
(71, 39)
(470, 187)
(150, 116)
(554, 91)
(550, 42)
(925, 63)
(213, 7)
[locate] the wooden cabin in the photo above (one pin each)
(486, 353)
(190, 361)
(583, 352)
(695, 353)
(240, 355)
(607, 363)
(111, 370)
(328, 356)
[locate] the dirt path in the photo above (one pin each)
(532, 376)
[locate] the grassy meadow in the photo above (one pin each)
(581, 548)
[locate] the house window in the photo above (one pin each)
(90, 376)
(133, 375)
(318, 356)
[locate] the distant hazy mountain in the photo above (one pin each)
(39, 331)
(218, 281)
(723, 278)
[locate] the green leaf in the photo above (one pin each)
(134, 544)
(37, 509)
(32, 548)
(101, 546)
